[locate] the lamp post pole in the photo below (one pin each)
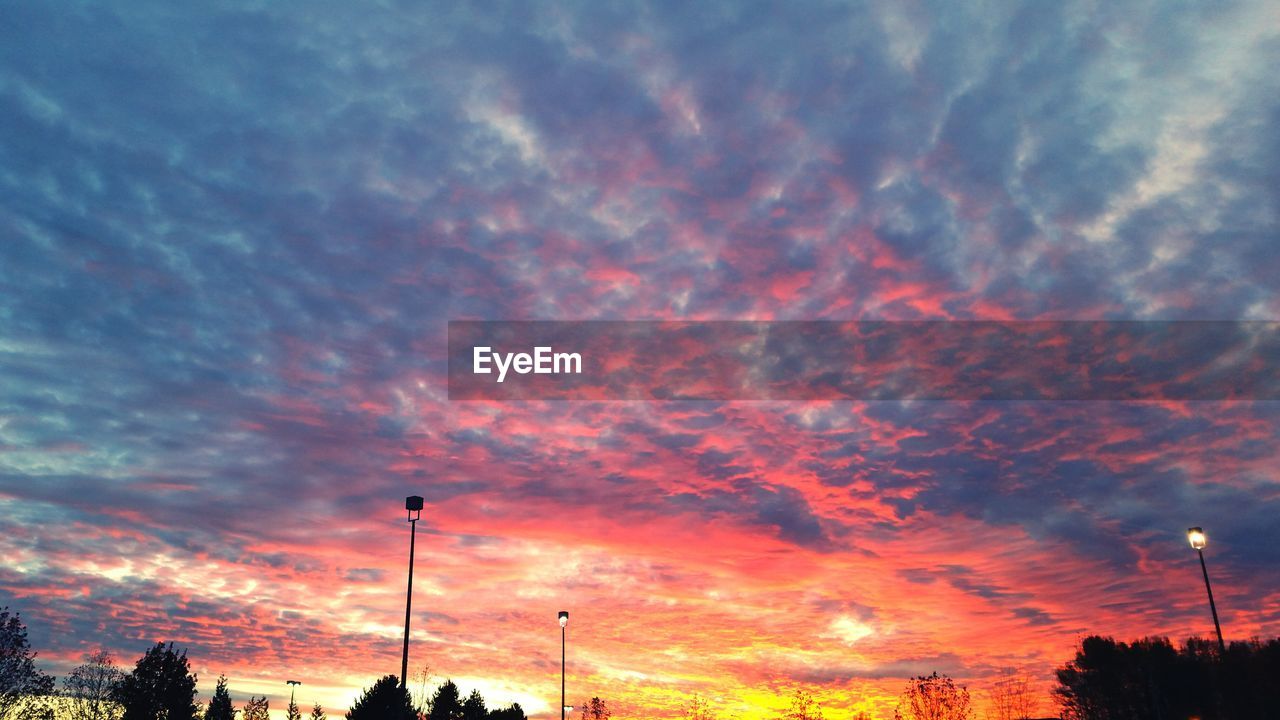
(413, 504)
(564, 620)
(1198, 540)
(293, 685)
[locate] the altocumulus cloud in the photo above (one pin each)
(231, 238)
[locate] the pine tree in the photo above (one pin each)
(446, 704)
(220, 706)
(473, 708)
(511, 712)
(161, 685)
(292, 712)
(386, 700)
(317, 713)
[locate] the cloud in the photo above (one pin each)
(233, 238)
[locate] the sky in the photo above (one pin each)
(232, 238)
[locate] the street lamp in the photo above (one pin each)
(564, 620)
(1198, 540)
(413, 504)
(293, 685)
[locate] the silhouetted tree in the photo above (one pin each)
(1013, 698)
(446, 703)
(1249, 674)
(220, 707)
(510, 712)
(803, 707)
(386, 700)
(1150, 678)
(473, 708)
(596, 709)
(1111, 680)
(161, 686)
(89, 688)
(698, 709)
(258, 708)
(23, 688)
(317, 713)
(933, 697)
(292, 712)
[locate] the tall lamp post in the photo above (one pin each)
(1198, 540)
(413, 504)
(564, 620)
(293, 685)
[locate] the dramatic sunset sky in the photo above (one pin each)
(231, 241)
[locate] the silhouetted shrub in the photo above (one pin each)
(386, 700)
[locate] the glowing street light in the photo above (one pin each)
(1198, 540)
(413, 504)
(564, 620)
(293, 685)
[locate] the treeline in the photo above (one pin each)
(1147, 679)
(1107, 680)
(386, 700)
(1150, 678)
(162, 685)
